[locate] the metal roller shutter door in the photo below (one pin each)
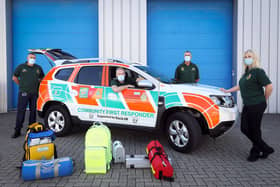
(71, 25)
(202, 26)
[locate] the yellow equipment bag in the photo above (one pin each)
(38, 144)
(41, 152)
(98, 149)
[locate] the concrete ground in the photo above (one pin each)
(219, 162)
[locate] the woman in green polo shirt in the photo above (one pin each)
(254, 99)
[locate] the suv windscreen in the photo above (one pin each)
(89, 75)
(158, 76)
(64, 74)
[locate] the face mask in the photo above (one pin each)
(187, 58)
(248, 61)
(31, 61)
(121, 78)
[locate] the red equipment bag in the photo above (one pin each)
(160, 164)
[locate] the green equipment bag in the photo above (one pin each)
(98, 149)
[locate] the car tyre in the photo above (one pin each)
(58, 120)
(183, 132)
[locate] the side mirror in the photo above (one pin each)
(145, 84)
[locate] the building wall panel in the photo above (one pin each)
(122, 24)
(258, 29)
(3, 58)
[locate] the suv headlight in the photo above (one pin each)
(223, 101)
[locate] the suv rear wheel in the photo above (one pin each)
(58, 120)
(183, 132)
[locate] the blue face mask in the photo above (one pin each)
(187, 58)
(121, 78)
(31, 61)
(248, 61)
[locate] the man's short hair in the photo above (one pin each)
(31, 54)
(119, 69)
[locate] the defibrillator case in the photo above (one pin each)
(137, 161)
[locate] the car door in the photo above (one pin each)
(89, 91)
(133, 106)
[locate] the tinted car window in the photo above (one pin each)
(90, 75)
(64, 74)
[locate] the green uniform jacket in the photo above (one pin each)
(251, 86)
(187, 74)
(29, 77)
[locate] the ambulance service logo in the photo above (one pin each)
(143, 97)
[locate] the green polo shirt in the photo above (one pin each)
(187, 74)
(127, 81)
(251, 86)
(29, 77)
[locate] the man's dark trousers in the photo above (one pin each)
(25, 99)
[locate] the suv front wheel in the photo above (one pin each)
(183, 132)
(58, 120)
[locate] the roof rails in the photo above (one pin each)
(96, 60)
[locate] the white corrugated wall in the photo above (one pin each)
(258, 28)
(123, 29)
(3, 58)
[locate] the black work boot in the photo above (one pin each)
(252, 158)
(16, 133)
(266, 153)
(254, 154)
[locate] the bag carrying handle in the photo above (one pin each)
(97, 123)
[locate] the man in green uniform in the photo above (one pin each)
(187, 72)
(28, 76)
(122, 82)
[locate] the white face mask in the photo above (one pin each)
(248, 61)
(31, 61)
(121, 78)
(187, 58)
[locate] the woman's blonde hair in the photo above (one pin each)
(256, 62)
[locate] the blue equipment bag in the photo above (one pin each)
(43, 169)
